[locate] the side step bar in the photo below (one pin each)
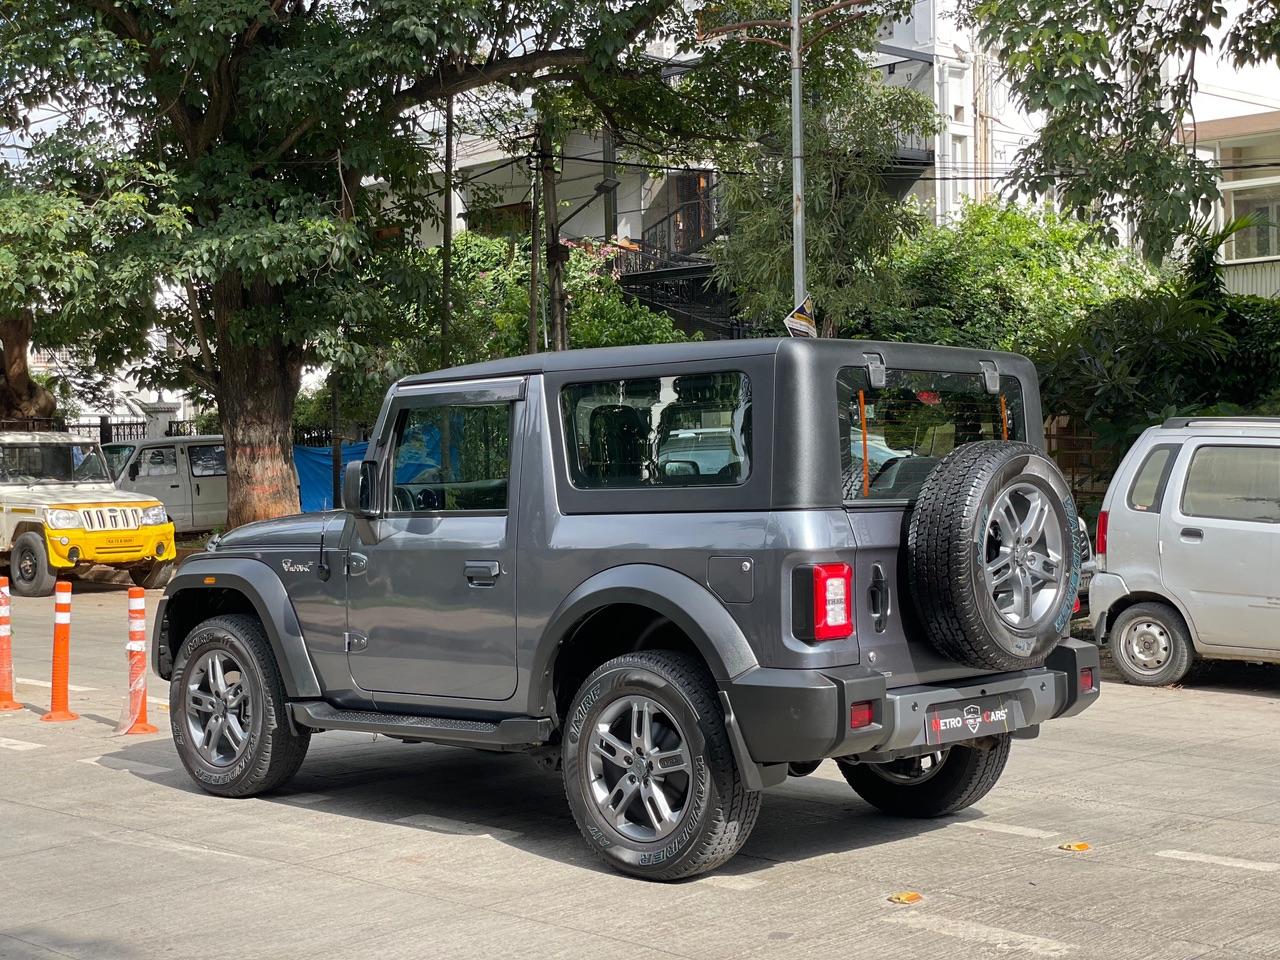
(513, 733)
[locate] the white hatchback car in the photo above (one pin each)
(187, 474)
(1187, 549)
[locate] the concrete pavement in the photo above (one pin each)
(389, 850)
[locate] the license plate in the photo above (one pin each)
(967, 719)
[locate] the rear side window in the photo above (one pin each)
(891, 438)
(1147, 491)
(208, 460)
(681, 431)
(1234, 483)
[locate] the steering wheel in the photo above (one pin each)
(429, 499)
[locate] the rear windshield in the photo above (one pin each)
(891, 438)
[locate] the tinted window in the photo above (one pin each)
(158, 462)
(891, 438)
(208, 460)
(58, 463)
(452, 458)
(683, 431)
(1148, 486)
(1234, 483)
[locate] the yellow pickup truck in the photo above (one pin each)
(63, 514)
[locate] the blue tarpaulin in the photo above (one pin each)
(315, 473)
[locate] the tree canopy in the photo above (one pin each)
(1114, 83)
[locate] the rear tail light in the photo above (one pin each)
(822, 601)
(1086, 680)
(861, 715)
(1100, 540)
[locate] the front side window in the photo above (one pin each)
(679, 431)
(1234, 483)
(52, 463)
(452, 458)
(158, 462)
(208, 460)
(891, 438)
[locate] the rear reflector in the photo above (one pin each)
(1086, 680)
(861, 715)
(822, 601)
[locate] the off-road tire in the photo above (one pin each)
(718, 819)
(153, 576)
(966, 776)
(1181, 656)
(42, 578)
(275, 750)
(946, 539)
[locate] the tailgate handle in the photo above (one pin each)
(878, 598)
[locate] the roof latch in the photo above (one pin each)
(990, 376)
(875, 370)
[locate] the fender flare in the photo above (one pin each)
(258, 584)
(682, 600)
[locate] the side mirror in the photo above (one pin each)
(358, 483)
(133, 470)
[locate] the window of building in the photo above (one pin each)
(1234, 483)
(452, 458)
(682, 431)
(1263, 238)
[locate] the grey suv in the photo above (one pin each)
(1187, 547)
(676, 574)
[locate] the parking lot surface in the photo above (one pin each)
(389, 850)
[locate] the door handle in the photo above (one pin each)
(197, 489)
(1193, 534)
(174, 486)
(481, 573)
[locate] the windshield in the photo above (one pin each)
(52, 463)
(892, 437)
(118, 455)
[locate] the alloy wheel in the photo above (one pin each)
(911, 769)
(1026, 558)
(639, 771)
(219, 708)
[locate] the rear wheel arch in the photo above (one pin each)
(629, 608)
(241, 586)
(1147, 596)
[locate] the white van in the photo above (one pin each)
(187, 474)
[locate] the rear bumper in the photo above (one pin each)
(783, 716)
(1104, 591)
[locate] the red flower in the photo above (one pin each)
(929, 397)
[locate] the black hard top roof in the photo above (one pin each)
(610, 357)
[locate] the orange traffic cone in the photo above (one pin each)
(134, 719)
(59, 705)
(6, 651)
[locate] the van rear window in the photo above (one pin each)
(892, 437)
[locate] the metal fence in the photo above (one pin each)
(1087, 467)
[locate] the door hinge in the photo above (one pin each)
(354, 642)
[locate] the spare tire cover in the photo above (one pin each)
(993, 555)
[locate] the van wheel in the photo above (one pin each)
(648, 769)
(152, 576)
(29, 572)
(932, 785)
(1150, 646)
(227, 710)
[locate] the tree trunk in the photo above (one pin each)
(257, 387)
(21, 398)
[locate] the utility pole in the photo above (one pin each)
(556, 252)
(446, 246)
(798, 266)
(535, 292)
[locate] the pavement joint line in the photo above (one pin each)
(39, 946)
(1009, 828)
(71, 687)
(980, 934)
(129, 766)
(1262, 866)
(459, 828)
(7, 743)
